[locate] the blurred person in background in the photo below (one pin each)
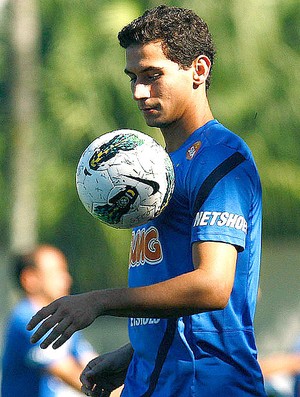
(28, 371)
(281, 372)
(297, 374)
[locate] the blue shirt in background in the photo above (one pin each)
(24, 365)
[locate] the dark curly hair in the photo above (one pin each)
(184, 34)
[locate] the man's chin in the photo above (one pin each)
(157, 123)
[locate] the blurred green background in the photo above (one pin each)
(62, 84)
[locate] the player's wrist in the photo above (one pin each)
(104, 301)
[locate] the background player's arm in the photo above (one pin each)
(206, 288)
(68, 370)
(288, 363)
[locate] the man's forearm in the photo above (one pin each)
(182, 295)
(206, 288)
(126, 351)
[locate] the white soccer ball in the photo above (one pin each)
(125, 178)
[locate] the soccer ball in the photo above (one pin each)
(125, 178)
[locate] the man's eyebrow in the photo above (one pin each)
(145, 70)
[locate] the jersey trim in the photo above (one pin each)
(214, 177)
(164, 347)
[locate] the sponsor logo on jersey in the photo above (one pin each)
(192, 150)
(145, 247)
(215, 218)
(137, 321)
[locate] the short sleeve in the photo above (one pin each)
(224, 215)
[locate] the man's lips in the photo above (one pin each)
(148, 109)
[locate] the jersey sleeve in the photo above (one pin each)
(224, 215)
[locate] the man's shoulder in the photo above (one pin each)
(221, 139)
(22, 312)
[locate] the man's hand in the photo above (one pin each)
(106, 373)
(65, 316)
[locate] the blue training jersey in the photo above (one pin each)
(24, 365)
(217, 197)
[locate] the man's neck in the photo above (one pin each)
(178, 132)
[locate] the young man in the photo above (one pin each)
(26, 369)
(190, 314)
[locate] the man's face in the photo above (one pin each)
(162, 89)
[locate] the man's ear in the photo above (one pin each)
(201, 67)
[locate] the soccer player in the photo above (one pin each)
(28, 371)
(191, 306)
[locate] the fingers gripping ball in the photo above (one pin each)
(125, 178)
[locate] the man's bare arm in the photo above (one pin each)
(206, 288)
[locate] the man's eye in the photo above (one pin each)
(154, 76)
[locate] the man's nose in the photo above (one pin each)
(141, 91)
